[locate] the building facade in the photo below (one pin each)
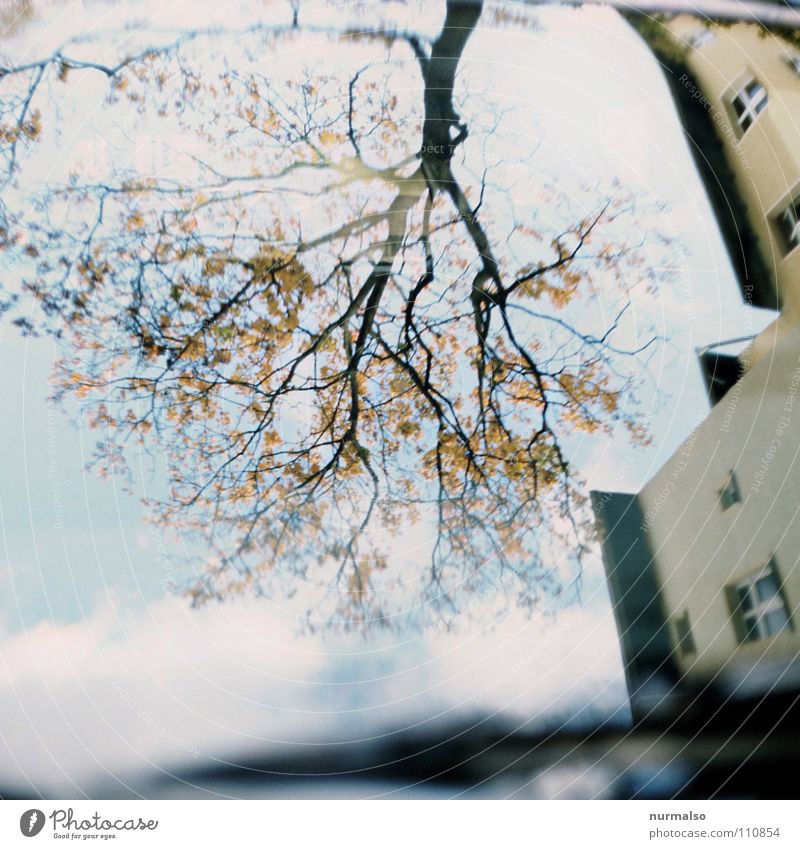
(748, 82)
(703, 564)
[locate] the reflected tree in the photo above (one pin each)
(364, 360)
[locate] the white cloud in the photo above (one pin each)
(119, 694)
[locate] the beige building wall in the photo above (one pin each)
(700, 548)
(765, 159)
(703, 544)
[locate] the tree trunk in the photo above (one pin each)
(442, 131)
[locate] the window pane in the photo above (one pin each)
(752, 632)
(745, 598)
(787, 224)
(748, 102)
(729, 494)
(683, 630)
(776, 621)
(767, 587)
(793, 216)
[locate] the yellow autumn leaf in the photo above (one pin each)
(328, 138)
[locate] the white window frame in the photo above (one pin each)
(701, 37)
(754, 618)
(752, 105)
